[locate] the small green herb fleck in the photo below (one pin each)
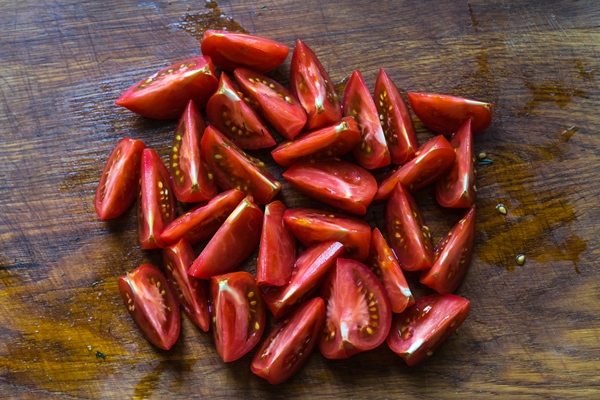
(485, 161)
(100, 354)
(50, 379)
(95, 283)
(520, 259)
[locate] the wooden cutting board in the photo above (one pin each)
(533, 330)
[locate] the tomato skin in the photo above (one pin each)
(445, 114)
(372, 151)
(359, 314)
(289, 345)
(410, 237)
(396, 122)
(165, 94)
(231, 50)
(277, 251)
(335, 182)
(191, 292)
(152, 305)
(422, 328)
(119, 182)
(238, 314)
(324, 143)
(312, 86)
(452, 256)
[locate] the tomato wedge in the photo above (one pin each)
(192, 292)
(232, 168)
(335, 182)
(272, 101)
(312, 226)
(238, 314)
(235, 240)
(422, 328)
(289, 345)
(277, 251)
(359, 314)
(409, 237)
(231, 50)
(396, 121)
(308, 273)
(384, 264)
(228, 112)
(445, 114)
(452, 256)
(431, 161)
(152, 305)
(165, 94)
(156, 204)
(119, 182)
(457, 188)
(312, 86)
(325, 143)
(372, 151)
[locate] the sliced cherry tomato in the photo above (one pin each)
(422, 328)
(119, 182)
(384, 264)
(152, 305)
(272, 101)
(325, 143)
(277, 251)
(445, 114)
(238, 314)
(311, 84)
(457, 188)
(312, 226)
(359, 314)
(228, 112)
(289, 345)
(395, 120)
(165, 94)
(232, 168)
(201, 222)
(309, 271)
(409, 237)
(372, 151)
(432, 160)
(335, 182)
(156, 203)
(192, 292)
(231, 50)
(235, 240)
(452, 256)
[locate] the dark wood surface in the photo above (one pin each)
(533, 331)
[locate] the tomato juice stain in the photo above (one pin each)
(340, 86)
(213, 18)
(551, 92)
(584, 71)
(567, 133)
(474, 20)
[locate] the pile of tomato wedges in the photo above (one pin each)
(346, 290)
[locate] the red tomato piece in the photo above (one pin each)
(431, 161)
(311, 84)
(422, 328)
(152, 305)
(312, 226)
(289, 345)
(372, 151)
(359, 314)
(277, 251)
(395, 120)
(156, 204)
(238, 314)
(232, 168)
(445, 114)
(452, 256)
(119, 182)
(165, 94)
(191, 292)
(335, 182)
(231, 50)
(235, 240)
(325, 143)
